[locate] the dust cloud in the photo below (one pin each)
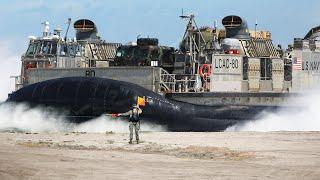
(104, 123)
(21, 118)
(304, 115)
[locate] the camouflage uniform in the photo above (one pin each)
(134, 120)
(136, 126)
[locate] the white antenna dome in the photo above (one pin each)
(46, 28)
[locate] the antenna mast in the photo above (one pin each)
(66, 35)
(255, 29)
(194, 49)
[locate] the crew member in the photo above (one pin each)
(134, 120)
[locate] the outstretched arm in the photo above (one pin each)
(120, 114)
(125, 114)
(129, 113)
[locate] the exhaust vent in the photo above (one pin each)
(232, 21)
(236, 27)
(85, 30)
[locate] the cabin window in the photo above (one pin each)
(124, 52)
(42, 48)
(53, 48)
(38, 48)
(120, 53)
(63, 50)
(31, 49)
(45, 48)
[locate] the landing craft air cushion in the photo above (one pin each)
(217, 77)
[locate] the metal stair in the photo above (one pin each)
(167, 81)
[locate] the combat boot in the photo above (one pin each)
(130, 142)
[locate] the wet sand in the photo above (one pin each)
(161, 155)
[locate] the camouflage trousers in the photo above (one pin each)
(136, 126)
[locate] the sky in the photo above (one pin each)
(123, 20)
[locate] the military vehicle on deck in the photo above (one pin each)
(146, 52)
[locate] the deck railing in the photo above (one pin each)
(170, 83)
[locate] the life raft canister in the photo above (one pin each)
(205, 70)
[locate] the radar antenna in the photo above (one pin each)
(182, 15)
